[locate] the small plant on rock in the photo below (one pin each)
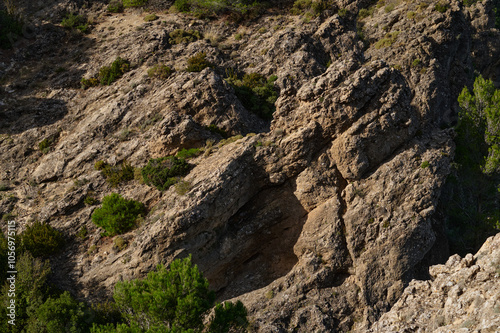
(163, 172)
(115, 6)
(117, 215)
(41, 240)
(198, 62)
(159, 72)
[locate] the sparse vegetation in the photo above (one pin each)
(115, 174)
(314, 8)
(45, 145)
(163, 172)
(388, 40)
(117, 215)
(215, 129)
(425, 164)
(363, 13)
(150, 17)
(180, 36)
(161, 72)
(188, 153)
(134, 3)
(441, 6)
(182, 187)
(115, 6)
(198, 62)
(108, 75)
(72, 21)
(235, 10)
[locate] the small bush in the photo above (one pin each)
(425, 164)
(115, 6)
(45, 145)
(162, 172)
(90, 200)
(134, 3)
(41, 240)
(229, 317)
(363, 13)
(188, 153)
(238, 36)
(115, 174)
(119, 243)
(389, 8)
(117, 215)
(160, 72)
(82, 233)
(180, 36)
(388, 40)
(235, 10)
(108, 75)
(182, 187)
(198, 62)
(256, 93)
(75, 22)
(411, 15)
(441, 7)
(150, 17)
(215, 129)
(343, 12)
(88, 83)
(415, 63)
(310, 7)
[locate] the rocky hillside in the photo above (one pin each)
(317, 219)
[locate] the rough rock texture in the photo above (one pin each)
(463, 295)
(319, 221)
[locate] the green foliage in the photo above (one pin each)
(343, 12)
(256, 93)
(115, 174)
(425, 164)
(416, 62)
(60, 315)
(115, 6)
(82, 233)
(117, 215)
(45, 145)
(470, 198)
(134, 3)
(119, 243)
(188, 153)
(11, 28)
(363, 13)
(160, 72)
(108, 75)
(162, 172)
(182, 187)
(388, 40)
(215, 129)
(229, 317)
(41, 240)
(180, 36)
(236, 10)
(389, 8)
(304, 7)
(174, 298)
(198, 62)
(150, 17)
(441, 7)
(30, 291)
(89, 83)
(72, 21)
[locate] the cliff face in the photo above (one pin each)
(319, 220)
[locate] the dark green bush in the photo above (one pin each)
(108, 75)
(72, 21)
(117, 215)
(60, 315)
(256, 93)
(160, 72)
(163, 172)
(41, 240)
(134, 3)
(88, 83)
(215, 129)
(198, 62)
(229, 317)
(302, 7)
(235, 10)
(115, 6)
(45, 145)
(11, 28)
(115, 174)
(441, 7)
(150, 17)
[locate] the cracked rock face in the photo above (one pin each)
(317, 220)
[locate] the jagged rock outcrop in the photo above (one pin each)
(318, 221)
(462, 295)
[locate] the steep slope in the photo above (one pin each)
(319, 220)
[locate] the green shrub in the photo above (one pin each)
(11, 27)
(41, 240)
(415, 62)
(60, 315)
(134, 3)
(198, 62)
(388, 40)
(115, 174)
(363, 13)
(88, 83)
(115, 6)
(229, 317)
(150, 17)
(441, 7)
(188, 153)
(235, 10)
(238, 36)
(343, 12)
(82, 233)
(72, 21)
(162, 172)
(182, 187)
(215, 129)
(180, 36)
(119, 243)
(256, 93)
(411, 15)
(425, 164)
(177, 297)
(108, 75)
(304, 7)
(45, 145)
(160, 72)
(389, 8)
(117, 215)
